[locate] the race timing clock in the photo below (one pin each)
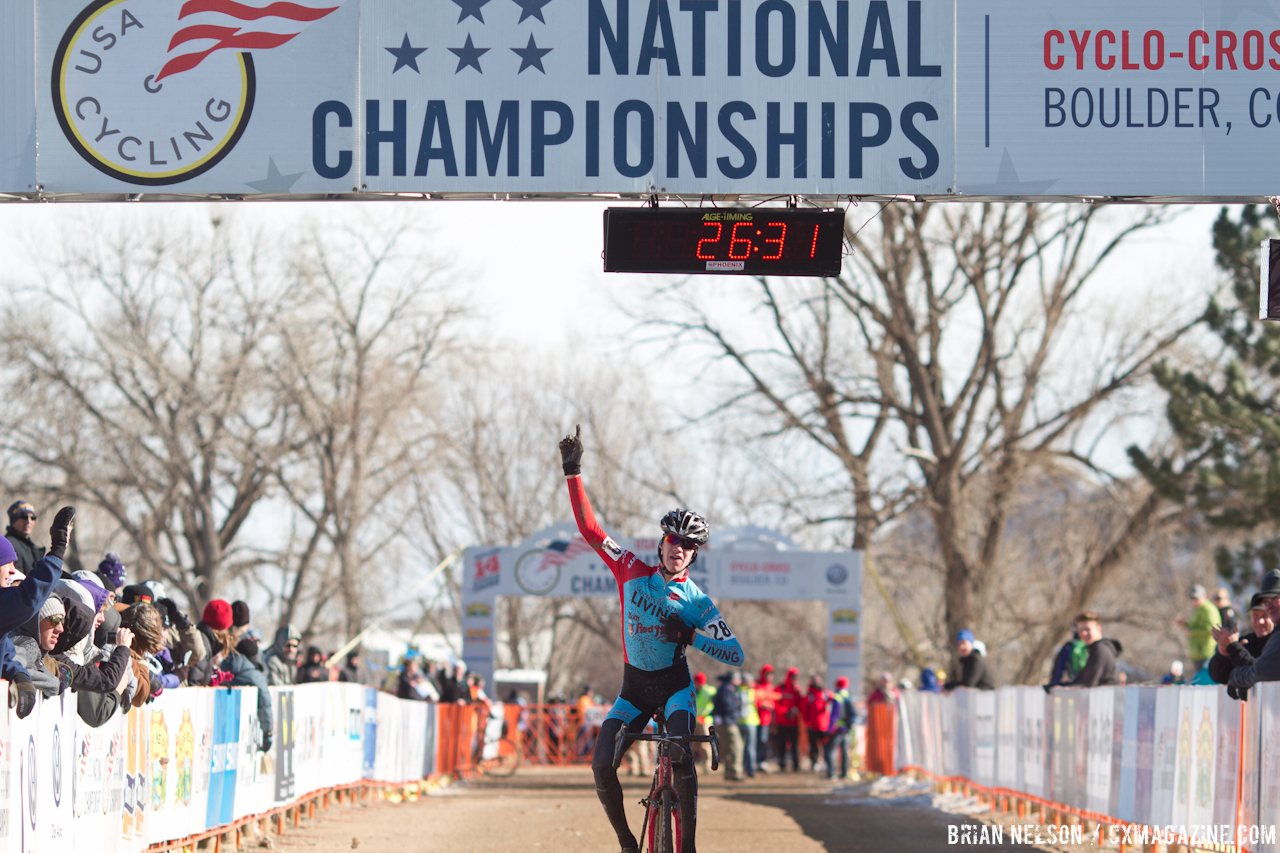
(724, 241)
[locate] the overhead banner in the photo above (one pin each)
(629, 98)
(1128, 99)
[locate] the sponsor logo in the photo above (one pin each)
(729, 266)
(57, 766)
(837, 574)
(844, 616)
(477, 635)
(844, 641)
(487, 571)
(31, 782)
(156, 92)
(478, 609)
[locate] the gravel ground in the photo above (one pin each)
(555, 809)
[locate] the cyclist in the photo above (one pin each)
(662, 612)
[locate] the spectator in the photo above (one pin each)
(352, 671)
(1235, 650)
(46, 638)
(143, 619)
(704, 696)
(1200, 629)
(748, 723)
(724, 716)
(1226, 610)
(886, 692)
(239, 619)
(1070, 660)
(1174, 675)
(929, 682)
(817, 718)
(21, 602)
(766, 696)
(22, 519)
(241, 672)
(410, 675)
(185, 642)
(837, 745)
(111, 568)
(452, 684)
(282, 658)
(215, 622)
(786, 716)
(970, 670)
(1100, 668)
(313, 668)
(1266, 665)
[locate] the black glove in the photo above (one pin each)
(22, 696)
(60, 532)
(266, 742)
(1238, 695)
(571, 452)
(675, 631)
(176, 617)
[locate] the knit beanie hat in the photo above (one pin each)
(247, 647)
(112, 569)
(18, 508)
(239, 614)
(7, 554)
(96, 592)
(217, 615)
(52, 607)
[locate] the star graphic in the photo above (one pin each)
(468, 54)
(1008, 183)
(531, 56)
(531, 9)
(275, 182)
(406, 55)
(470, 9)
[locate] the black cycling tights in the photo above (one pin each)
(609, 789)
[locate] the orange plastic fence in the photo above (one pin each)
(882, 737)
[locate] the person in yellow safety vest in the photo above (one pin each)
(704, 698)
(748, 723)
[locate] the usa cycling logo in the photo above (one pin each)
(837, 574)
(154, 92)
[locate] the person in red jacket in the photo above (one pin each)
(786, 716)
(817, 718)
(766, 696)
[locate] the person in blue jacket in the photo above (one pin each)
(18, 604)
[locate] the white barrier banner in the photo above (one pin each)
(1267, 698)
(1100, 742)
(1007, 737)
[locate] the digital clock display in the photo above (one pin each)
(724, 241)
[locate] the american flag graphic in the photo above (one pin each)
(559, 553)
(213, 25)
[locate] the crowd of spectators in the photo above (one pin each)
(115, 644)
(758, 722)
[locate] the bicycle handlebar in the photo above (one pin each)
(624, 736)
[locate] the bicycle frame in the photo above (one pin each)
(663, 803)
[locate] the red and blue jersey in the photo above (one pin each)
(647, 599)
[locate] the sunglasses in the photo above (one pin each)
(54, 621)
(680, 541)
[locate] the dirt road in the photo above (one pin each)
(555, 809)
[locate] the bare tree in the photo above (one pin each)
(355, 345)
(956, 356)
(136, 365)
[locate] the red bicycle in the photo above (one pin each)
(662, 806)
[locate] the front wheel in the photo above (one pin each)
(667, 821)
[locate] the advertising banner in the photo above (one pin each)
(1007, 737)
(592, 96)
(1098, 98)
(1267, 697)
(1100, 741)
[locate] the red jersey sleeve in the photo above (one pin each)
(622, 563)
